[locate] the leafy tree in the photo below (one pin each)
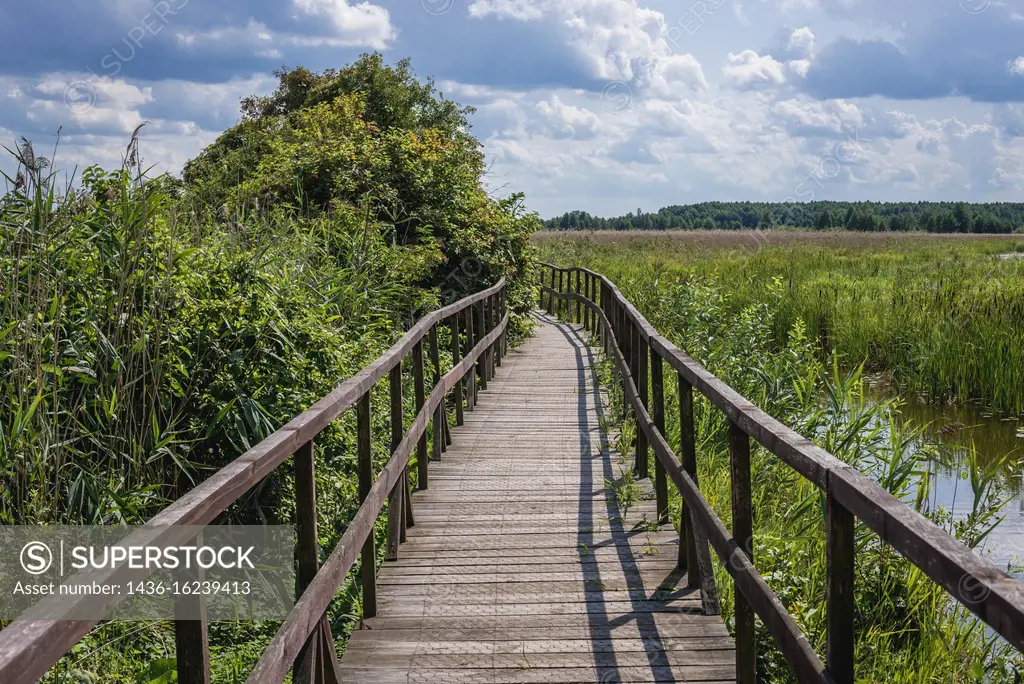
(371, 143)
(824, 221)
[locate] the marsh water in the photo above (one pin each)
(993, 437)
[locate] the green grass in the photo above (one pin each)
(943, 315)
(747, 333)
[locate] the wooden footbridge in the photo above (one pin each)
(521, 547)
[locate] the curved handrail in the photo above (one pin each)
(996, 597)
(29, 648)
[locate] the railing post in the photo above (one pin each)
(316, 660)
(470, 343)
(840, 602)
(440, 414)
(658, 404)
(488, 327)
(589, 314)
(564, 280)
(551, 296)
(586, 294)
(481, 362)
(308, 555)
(499, 344)
(504, 312)
(631, 334)
(642, 355)
(192, 648)
(365, 461)
(579, 310)
(396, 498)
(743, 533)
(688, 455)
(543, 283)
(460, 386)
(419, 388)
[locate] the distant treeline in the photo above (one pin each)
(931, 217)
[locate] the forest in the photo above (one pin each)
(929, 217)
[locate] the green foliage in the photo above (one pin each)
(374, 141)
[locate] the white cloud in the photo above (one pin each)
(254, 37)
(676, 72)
(805, 117)
(748, 70)
(361, 24)
(117, 93)
(522, 10)
(1009, 118)
(559, 120)
(1016, 67)
(740, 13)
(615, 40)
(801, 42)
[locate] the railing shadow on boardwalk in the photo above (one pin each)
(600, 622)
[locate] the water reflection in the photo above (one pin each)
(993, 437)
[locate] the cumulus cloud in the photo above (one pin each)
(748, 70)
(354, 24)
(677, 73)
(929, 50)
(1009, 118)
(801, 43)
(609, 40)
(559, 120)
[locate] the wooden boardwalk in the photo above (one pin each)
(522, 567)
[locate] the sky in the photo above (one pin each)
(600, 105)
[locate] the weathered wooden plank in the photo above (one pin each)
(513, 537)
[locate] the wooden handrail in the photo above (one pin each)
(996, 597)
(29, 648)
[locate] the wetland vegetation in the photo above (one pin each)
(795, 322)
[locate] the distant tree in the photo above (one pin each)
(864, 216)
(962, 219)
(767, 221)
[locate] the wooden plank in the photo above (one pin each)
(505, 563)
(305, 616)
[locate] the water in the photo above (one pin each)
(994, 437)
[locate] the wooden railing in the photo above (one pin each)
(28, 649)
(638, 353)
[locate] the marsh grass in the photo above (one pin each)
(908, 629)
(942, 315)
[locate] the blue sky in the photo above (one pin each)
(603, 105)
